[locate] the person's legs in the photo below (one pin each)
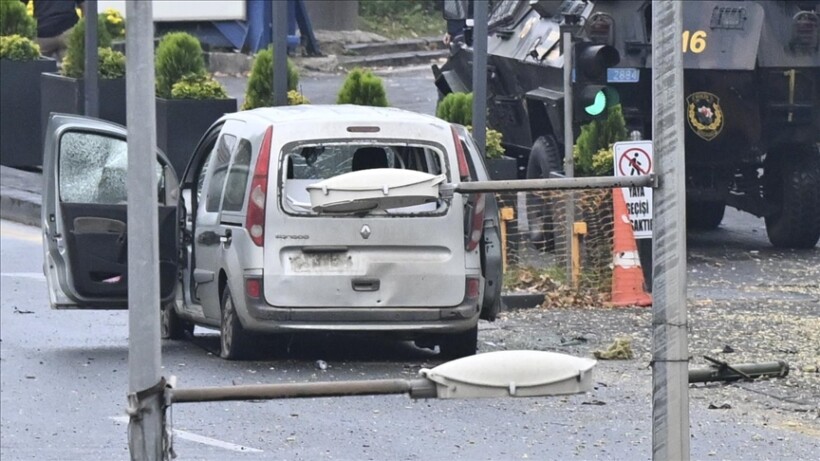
(54, 47)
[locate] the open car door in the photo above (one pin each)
(491, 257)
(84, 215)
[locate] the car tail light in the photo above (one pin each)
(255, 220)
(472, 288)
(253, 288)
(463, 168)
(476, 222)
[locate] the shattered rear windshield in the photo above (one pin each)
(307, 164)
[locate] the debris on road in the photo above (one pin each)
(621, 349)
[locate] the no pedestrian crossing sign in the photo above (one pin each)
(634, 158)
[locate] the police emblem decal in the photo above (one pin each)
(365, 232)
(704, 114)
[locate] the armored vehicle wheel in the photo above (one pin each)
(795, 187)
(545, 157)
(457, 345)
(171, 326)
(233, 339)
(704, 215)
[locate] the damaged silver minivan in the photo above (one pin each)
(292, 219)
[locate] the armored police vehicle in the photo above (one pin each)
(751, 97)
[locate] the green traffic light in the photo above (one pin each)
(597, 107)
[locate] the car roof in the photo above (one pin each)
(336, 113)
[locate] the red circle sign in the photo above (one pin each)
(634, 162)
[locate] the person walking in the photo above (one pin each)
(456, 13)
(55, 18)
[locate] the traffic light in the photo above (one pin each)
(592, 95)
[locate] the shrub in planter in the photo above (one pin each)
(296, 98)
(362, 88)
(259, 92)
(111, 63)
(456, 108)
(114, 23)
(188, 99)
(195, 86)
(18, 48)
(178, 54)
(74, 61)
(14, 20)
(592, 152)
(20, 69)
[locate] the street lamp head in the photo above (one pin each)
(511, 374)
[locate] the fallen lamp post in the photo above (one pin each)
(490, 375)
(722, 371)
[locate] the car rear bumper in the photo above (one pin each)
(263, 317)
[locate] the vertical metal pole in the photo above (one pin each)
(480, 75)
(670, 351)
(280, 52)
(569, 140)
(91, 89)
(146, 427)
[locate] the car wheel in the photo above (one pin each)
(457, 345)
(233, 339)
(545, 157)
(704, 215)
(171, 326)
(795, 190)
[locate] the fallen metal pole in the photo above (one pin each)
(599, 182)
(777, 369)
(417, 388)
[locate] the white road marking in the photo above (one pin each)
(199, 438)
(25, 275)
(20, 232)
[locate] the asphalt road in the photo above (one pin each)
(64, 378)
(64, 373)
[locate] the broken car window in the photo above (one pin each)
(93, 167)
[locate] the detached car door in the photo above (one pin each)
(84, 215)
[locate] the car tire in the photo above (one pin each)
(457, 345)
(234, 341)
(795, 189)
(545, 157)
(704, 215)
(171, 325)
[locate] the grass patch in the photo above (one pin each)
(414, 20)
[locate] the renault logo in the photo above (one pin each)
(365, 232)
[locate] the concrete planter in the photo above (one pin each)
(67, 95)
(21, 137)
(502, 168)
(182, 122)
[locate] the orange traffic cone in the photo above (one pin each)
(627, 275)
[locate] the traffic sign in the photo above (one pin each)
(634, 158)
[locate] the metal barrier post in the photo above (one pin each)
(145, 386)
(280, 53)
(91, 76)
(670, 351)
(569, 139)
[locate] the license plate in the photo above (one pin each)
(623, 75)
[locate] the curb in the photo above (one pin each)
(517, 301)
(20, 206)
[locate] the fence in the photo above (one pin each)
(537, 239)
